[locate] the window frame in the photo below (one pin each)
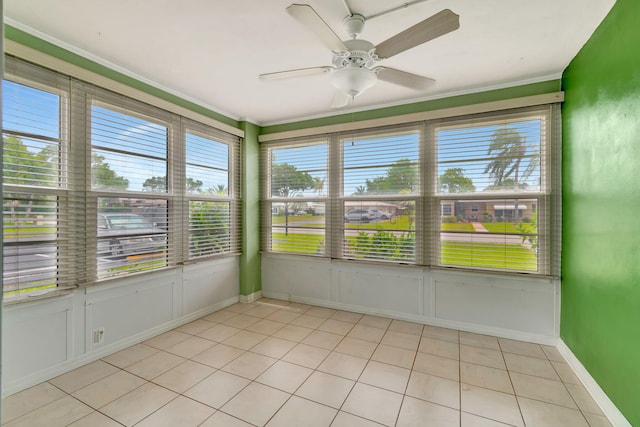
(40, 80)
(232, 197)
(547, 199)
(76, 200)
(268, 200)
(542, 197)
(414, 198)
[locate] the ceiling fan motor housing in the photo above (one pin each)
(353, 25)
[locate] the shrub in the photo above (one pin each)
(383, 245)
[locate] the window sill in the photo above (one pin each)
(37, 296)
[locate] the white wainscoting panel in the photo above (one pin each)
(209, 282)
(50, 336)
(139, 306)
(307, 278)
(394, 289)
(516, 307)
(37, 337)
(521, 304)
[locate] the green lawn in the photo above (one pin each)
(134, 267)
(397, 223)
(488, 255)
(299, 220)
(464, 227)
(27, 288)
(13, 232)
(507, 227)
(297, 243)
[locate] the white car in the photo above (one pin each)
(361, 215)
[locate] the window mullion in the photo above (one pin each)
(334, 209)
(177, 209)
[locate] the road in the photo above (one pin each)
(39, 262)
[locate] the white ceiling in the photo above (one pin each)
(211, 51)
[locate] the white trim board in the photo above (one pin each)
(433, 97)
(609, 409)
(251, 297)
(485, 107)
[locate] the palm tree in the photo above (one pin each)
(220, 189)
(509, 149)
(318, 186)
(360, 190)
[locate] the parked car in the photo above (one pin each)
(382, 215)
(125, 234)
(361, 215)
(156, 216)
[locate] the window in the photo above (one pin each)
(35, 182)
(477, 192)
(296, 190)
(135, 189)
(380, 188)
(129, 155)
(213, 191)
(491, 171)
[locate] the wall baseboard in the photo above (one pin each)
(467, 327)
(251, 297)
(77, 362)
(606, 405)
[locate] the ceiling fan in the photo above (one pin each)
(355, 62)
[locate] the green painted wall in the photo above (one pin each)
(250, 273)
(601, 207)
(436, 104)
(40, 45)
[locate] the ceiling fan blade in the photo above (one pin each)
(295, 73)
(340, 99)
(435, 26)
(403, 78)
(310, 19)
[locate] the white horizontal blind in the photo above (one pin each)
(96, 186)
(295, 196)
(213, 191)
(130, 178)
(492, 191)
(134, 147)
(479, 192)
(380, 190)
(34, 178)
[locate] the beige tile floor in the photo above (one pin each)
(277, 364)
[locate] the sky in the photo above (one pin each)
(368, 157)
(141, 146)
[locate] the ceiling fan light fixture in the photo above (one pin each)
(353, 80)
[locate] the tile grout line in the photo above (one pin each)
(369, 359)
